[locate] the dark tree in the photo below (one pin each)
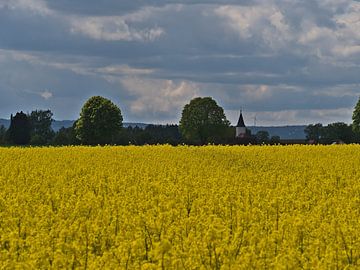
(99, 123)
(65, 136)
(41, 131)
(356, 119)
(275, 139)
(314, 132)
(2, 135)
(133, 135)
(160, 134)
(262, 136)
(203, 121)
(19, 131)
(336, 132)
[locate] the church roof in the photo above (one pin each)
(241, 122)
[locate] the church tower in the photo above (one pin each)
(240, 127)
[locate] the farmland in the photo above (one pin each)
(163, 207)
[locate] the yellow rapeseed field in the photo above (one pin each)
(163, 207)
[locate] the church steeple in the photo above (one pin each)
(240, 127)
(241, 122)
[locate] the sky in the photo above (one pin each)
(284, 62)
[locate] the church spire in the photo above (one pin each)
(241, 122)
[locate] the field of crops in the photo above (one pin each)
(165, 207)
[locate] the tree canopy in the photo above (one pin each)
(314, 132)
(99, 123)
(203, 121)
(356, 118)
(20, 129)
(331, 133)
(41, 131)
(337, 132)
(262, 136)
(2, 135)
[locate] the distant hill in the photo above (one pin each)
(5, 123)
(57, 124)
(284, 132)
(140, 125)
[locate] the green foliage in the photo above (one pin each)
(262, 136)
(41, 131)
(19, 131)
(203, 121)
(356, 118)
(314, 132)
(337, 132)
(334, 132)
(99, 123)
(65, 136)
(151, 134)
(2, 135)
(168, 134)
(275, 139)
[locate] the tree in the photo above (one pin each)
(41, 131)
(65, 136)
(203, 121)
(356, 119)
(275, 139)
(99, 123)
(160, 134)
(313, 132)
(337, 132)
(2, 135)
(20, 129)
(262, 136)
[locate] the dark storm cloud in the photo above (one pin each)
(24, 31)
(151, 57)
(119, 7)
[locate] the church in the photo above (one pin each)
(242, 134)
(240, 127)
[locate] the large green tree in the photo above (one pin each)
(356, 119)
(203, 121)
(41, 131)
(20, 129)
(99, 123)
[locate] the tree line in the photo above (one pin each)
(338, 132)
(333, 133)
(101, 123)
(202, 121)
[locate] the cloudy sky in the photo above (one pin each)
(283, 61)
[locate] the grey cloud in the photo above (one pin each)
(24, 89)
(280, 97)
(120, 7)
(296, 117)
(26, 31)
(306, 54)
